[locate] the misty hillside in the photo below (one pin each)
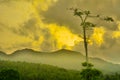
(2, 53)
(61, 58)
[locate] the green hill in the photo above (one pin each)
(32, 71)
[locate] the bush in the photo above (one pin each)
(89, 73)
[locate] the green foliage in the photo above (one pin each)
(9, 74)
(90, 74)
(110, 19)
(78, 13)
(81, 13)
(31, 71)
(86, 12)
(112, 77)
(88, 24)
(88, 65)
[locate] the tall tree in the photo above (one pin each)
(86, 25)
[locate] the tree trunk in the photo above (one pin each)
(85, 44)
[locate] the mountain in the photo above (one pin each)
(65, 51)
(26, 51)
(62, 58)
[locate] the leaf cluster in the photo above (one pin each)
(88, 65)
(80, 12)
(88, 24)
(110, 19)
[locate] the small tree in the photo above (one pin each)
(91, 74)
(86, 25)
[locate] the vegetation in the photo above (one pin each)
(89, 73)
(87, 25)
(9, 74)
(30, 71)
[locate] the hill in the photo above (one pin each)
(32, 71)
(62, 58)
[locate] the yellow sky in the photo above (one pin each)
(14, 16)
(23, 25)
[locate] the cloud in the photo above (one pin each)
(59, 14)
(109, 32)
(63, 36)
(98, 35)
(33, 30)
(14, 14)
(48, 25)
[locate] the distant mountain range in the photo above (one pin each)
(61, 58)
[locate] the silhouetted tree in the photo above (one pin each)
(86, 25)
(9, 74)
(89, 73)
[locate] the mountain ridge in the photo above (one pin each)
(66, 51)
(2, 53)
(62, 58)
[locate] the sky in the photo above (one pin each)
(48, 25)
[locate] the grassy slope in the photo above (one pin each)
(31, 71)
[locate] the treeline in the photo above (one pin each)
(30, 71)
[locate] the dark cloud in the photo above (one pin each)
(46, 45)
(27, 28)
(59, 13)
(30, 28)
(49, 43)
